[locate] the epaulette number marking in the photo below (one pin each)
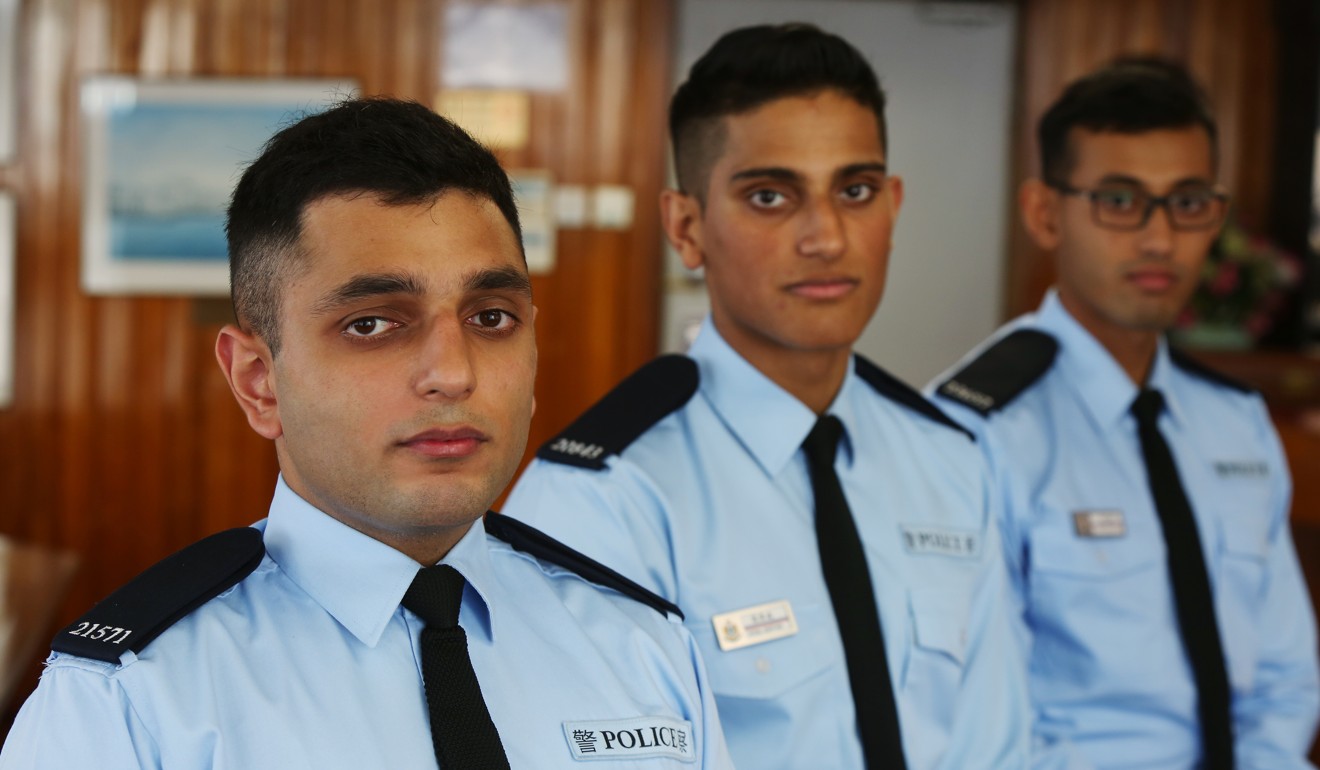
(100, 633)
(577, 449)
(971, 396)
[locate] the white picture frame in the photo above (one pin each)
(160, 159)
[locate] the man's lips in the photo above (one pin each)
(823, 288)
(446, 442)
(1152, 280)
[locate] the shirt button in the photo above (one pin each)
(763, 665)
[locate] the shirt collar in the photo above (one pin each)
(1163, 377)
(471, 557)
(359, 580)
(745, 399)
(1102, 384)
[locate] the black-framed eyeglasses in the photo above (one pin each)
(1127, 207)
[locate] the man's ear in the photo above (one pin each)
(248, 366)
(895, 187)
(1040, 213)
(680, 214)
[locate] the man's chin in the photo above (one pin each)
(444, 501)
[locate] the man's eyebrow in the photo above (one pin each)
(1133, 181)
(362, 287)
(788, 175)
(499, 279)
(871, 167)
(1121, 179)
(767, 172)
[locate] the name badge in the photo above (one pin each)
(754, 625)
(640, 738)
(941, 541)
(1102, 523)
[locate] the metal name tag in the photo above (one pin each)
(754, 625)
(1102, 523)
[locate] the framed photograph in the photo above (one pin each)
(160, 160)
(8, 296)
(534, 190)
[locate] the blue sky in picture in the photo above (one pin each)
(171, 168)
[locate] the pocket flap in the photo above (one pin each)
(940, 620)
(1246, 535)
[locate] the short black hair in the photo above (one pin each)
(400, 151)
(752, 66)
(1130, 95)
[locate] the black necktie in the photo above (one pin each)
(849, 582)
(464, 736)
(1191, 586)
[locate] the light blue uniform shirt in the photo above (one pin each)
(309, 663)
(1107, 665)
(712, 508)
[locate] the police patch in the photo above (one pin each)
(639, 738)
(941, 541)
(1241, 469)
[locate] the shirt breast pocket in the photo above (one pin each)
(1087, 582)
(933, 669)
(1243, 559)
(769, 670)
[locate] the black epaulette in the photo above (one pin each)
(133, 616)
(646, 397)
(895, 389)
(528, 539)
(1198, 369)
(1003, 372)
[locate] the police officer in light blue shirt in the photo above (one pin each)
(374, 618)
(691, 476)
(1129, 667)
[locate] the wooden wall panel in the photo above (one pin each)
(124, 443)
(1226, 44)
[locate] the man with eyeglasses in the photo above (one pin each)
(1146, 516)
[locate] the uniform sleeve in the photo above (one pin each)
(714, 750)
(616, 516)
(78, 717)
(1276, 719)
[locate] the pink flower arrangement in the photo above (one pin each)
(1244, 283)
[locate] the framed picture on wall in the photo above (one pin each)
(160, 158)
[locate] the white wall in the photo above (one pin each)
(949, 87)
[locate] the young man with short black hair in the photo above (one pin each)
(827, 532)
(1146, 525)
(375, 618)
